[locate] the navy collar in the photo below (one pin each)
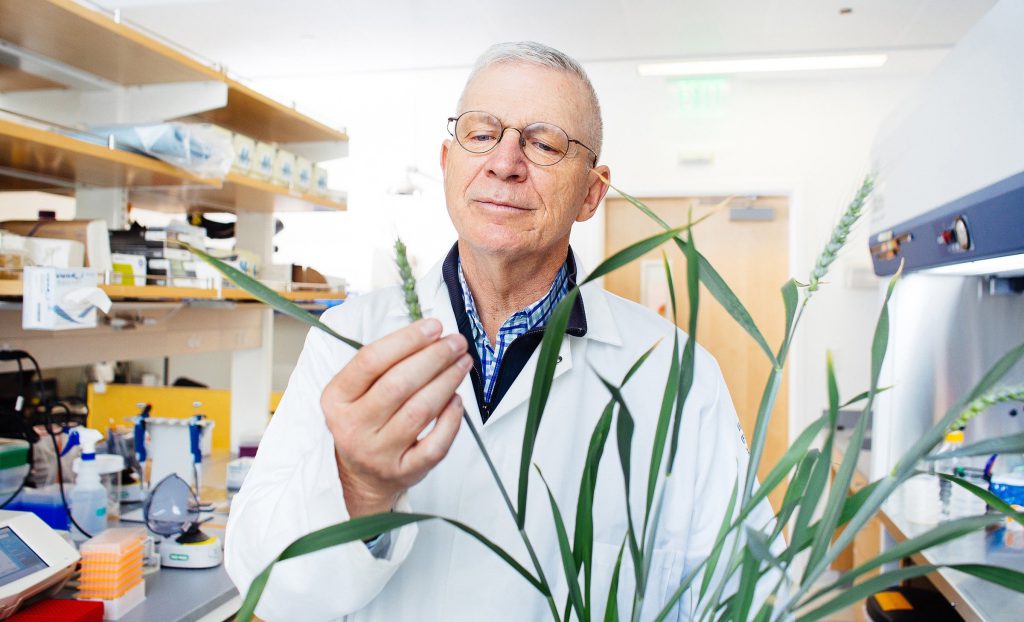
(577, 326)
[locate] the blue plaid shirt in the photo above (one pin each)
(533, 316)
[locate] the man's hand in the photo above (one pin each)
(378, 405)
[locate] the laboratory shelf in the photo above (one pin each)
(13, 289)
(93, 42)
(69, 162)
(238, 193)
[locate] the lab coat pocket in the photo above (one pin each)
(664, 575)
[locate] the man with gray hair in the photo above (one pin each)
(365, 432)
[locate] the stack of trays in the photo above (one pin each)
(112, 570)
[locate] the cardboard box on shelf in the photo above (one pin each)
(128, 269)
(284, 168)
(303, 177)
(245, 152)
(319, 180)
(263, 161)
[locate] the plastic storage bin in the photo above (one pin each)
(13, 466)
(45, 503)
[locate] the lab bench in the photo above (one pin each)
(973, 599)
(187, 594)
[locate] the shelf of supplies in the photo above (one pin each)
(64, 159)
(93, 42)
(13, 289)
(238, 193)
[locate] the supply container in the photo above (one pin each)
(109, 468)
(45, 503)
(13, 466)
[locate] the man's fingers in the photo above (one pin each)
(433, 447)
(426, 404)
(410, 376)
(375, 359)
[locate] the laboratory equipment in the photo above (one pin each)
(172, 511)
(33, 559)
(173, 445)
(112, 570)
(950, 168)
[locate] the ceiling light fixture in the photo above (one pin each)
(726, 66)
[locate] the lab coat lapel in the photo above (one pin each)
(522, 386)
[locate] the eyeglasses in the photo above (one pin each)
(543, 144)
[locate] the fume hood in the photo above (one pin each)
(950, 162)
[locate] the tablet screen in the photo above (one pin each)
(17, 560)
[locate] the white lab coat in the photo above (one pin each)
(433, 571)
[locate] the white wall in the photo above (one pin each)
(808, 137)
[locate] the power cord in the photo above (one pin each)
(47, 410)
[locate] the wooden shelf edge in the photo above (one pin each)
(115, 157)
(268, 187)
(13, 289)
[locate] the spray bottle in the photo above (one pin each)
(89, 498)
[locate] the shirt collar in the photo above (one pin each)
(577, 325)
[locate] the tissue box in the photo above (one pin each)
(61, 298)
(245, 152)
(303, 177)
(284, 168)
(263, 162)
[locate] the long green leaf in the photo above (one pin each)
(790, 298)
(859, 592)
(611, 610)
(624, 437)
(713, 281)
(793, 455)
(667, 401)
(821, 553)
(542, 379)
(860, 397)
(940, 534)
(761, 425)
(360, 529)
(266, 295)
(1012, 444)
(583, 535)
(716, 551)
(744, 596)
(633, 252)
(554, 332)
(568, 563)
(989, 498)
(1005, 577)
(796, 490)
(933, 436)
(693, 272)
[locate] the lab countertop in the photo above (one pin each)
(186, 594)
(975, 600)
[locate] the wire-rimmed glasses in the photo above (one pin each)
(543, 144)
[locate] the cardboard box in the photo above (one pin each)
(61, 298)
(303, 177)
(319, 180)
(263, 161)
(284, 168)
(128, 269)
(245, 153)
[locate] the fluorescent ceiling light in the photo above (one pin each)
(762, 65)
(1009, 265)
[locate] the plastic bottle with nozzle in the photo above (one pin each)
(89, 498)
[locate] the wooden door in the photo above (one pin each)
(751, 252)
